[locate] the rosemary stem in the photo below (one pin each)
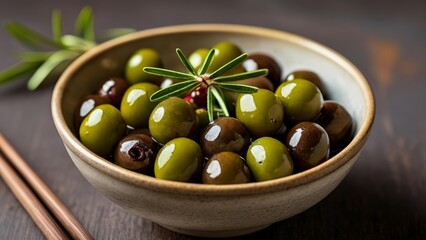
(220, 100)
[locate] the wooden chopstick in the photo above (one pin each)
(56, 207)
(29, 201)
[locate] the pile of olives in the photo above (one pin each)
(285, 127)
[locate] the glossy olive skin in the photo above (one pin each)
(259, 82)
(136, 152)
(259, 61)
(261, 112)
(308, 144)
(145, 57)
(203, 117)
(173, 118)
(307, 75)
(224, 134)
(136, 107)
(113, 89)
(102, 129)
(178, 160)
(302, 100)
(268, 158)
(337, 122)
(87, 105)
(197, 57)
(224, 52)
(225, 168)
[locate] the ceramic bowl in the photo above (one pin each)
(206, 210)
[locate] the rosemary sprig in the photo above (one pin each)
(48, 56)
(214, 82)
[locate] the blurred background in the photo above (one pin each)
(382, 198)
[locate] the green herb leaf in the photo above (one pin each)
(29, 37)
(76, 43)
(219, 100)
(207, 62)
(228, 66)
(169, 73)
(176, 89)
(242, 76)
(237, 87)
(185, 62)
(48, 66)
(17, 70)
(84, 24)
(210, 104)
(34, 56)
(57, 26)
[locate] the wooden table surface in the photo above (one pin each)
(383, 197)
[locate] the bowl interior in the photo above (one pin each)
(342, 81)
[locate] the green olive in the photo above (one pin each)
(102, 129)
(307, 75)
(197, 57)
(225, 52)
(203, 117)
(136, 106)
(173, 118)
(268, 158)
(178, 160)
(225, 168)
(145, 57)
(302, 100)
(261, 112)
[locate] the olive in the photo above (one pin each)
(136, 152)
(145, 57)
(113, 89)
(259, 82)
(87, 105)
(302, 100)
(225, 52)
(197, 97)
(261, 112)
(225, 168)
(224, 134)
(172, 118)
(203, 117)
(307, 75)
(178, 160)
(268, 158)
(197, 57)
(259, 61)
(308, 144)
(101, 130)
(136, 107)
(337, 122)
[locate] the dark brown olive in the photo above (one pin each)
(225, 134)
(114, 89)
(136, 152)
(87, 105)
(226, 168)
(337, 122)
(258, 61)
(307, 75)
(308, 144)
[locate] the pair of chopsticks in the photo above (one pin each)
(63, 224)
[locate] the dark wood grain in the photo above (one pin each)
(384, 195)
